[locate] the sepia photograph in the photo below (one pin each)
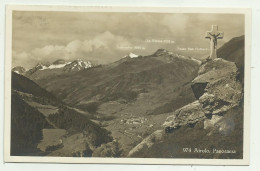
(127, 85)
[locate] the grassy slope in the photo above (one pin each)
(74, 122)
(26, 127)
(234, 51)
(25, 85)
(27, 120)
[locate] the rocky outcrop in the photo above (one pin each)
(147, 143)
(76, 145)
(223, 90)
(111, 149)
(188, 115)
(198, 89)
(217, 91)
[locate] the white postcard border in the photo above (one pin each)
(38, 159)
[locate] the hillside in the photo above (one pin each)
(234, 51)
(26, 127)
(125, 80)
(128, 97)
(19, 70)
(23, 84)
(40, 122)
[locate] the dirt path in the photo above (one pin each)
(54, 126)
(81, 112)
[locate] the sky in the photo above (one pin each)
(40, 37)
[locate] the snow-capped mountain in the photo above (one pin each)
(19, 70)
(57, 68)
(55, 65)
(77, 65)
(131, 55)
(169, 56)
(38, 67)
(60, 63)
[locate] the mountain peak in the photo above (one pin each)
(58, 67)
(164, 54)
(38, 65)
(19, 70)
(131, 55)
(59, 61)
(161, 52)
(77, 65)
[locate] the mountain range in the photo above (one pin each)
(58, 67)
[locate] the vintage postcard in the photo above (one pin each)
(131, 85)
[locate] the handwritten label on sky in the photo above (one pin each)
(159, 41)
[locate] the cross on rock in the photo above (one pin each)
(214, 35)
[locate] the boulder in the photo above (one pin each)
(223, 90)
(219, 124)
(217, 91)
(213, 105)
(188, 115)
(198, 89)
(147, 143)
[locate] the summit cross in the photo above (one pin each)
(213, 36)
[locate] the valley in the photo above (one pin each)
(128, 108)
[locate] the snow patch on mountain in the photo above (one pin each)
(131, 55)
(77, 65)
(52, 66)
(190, 58)
(19, 70)
(164, 52)
(58, 65)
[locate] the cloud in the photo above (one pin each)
(102, 43)
(73, 46)
(46, 36)
(18, 58)
(46, 50)
(177, 23)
